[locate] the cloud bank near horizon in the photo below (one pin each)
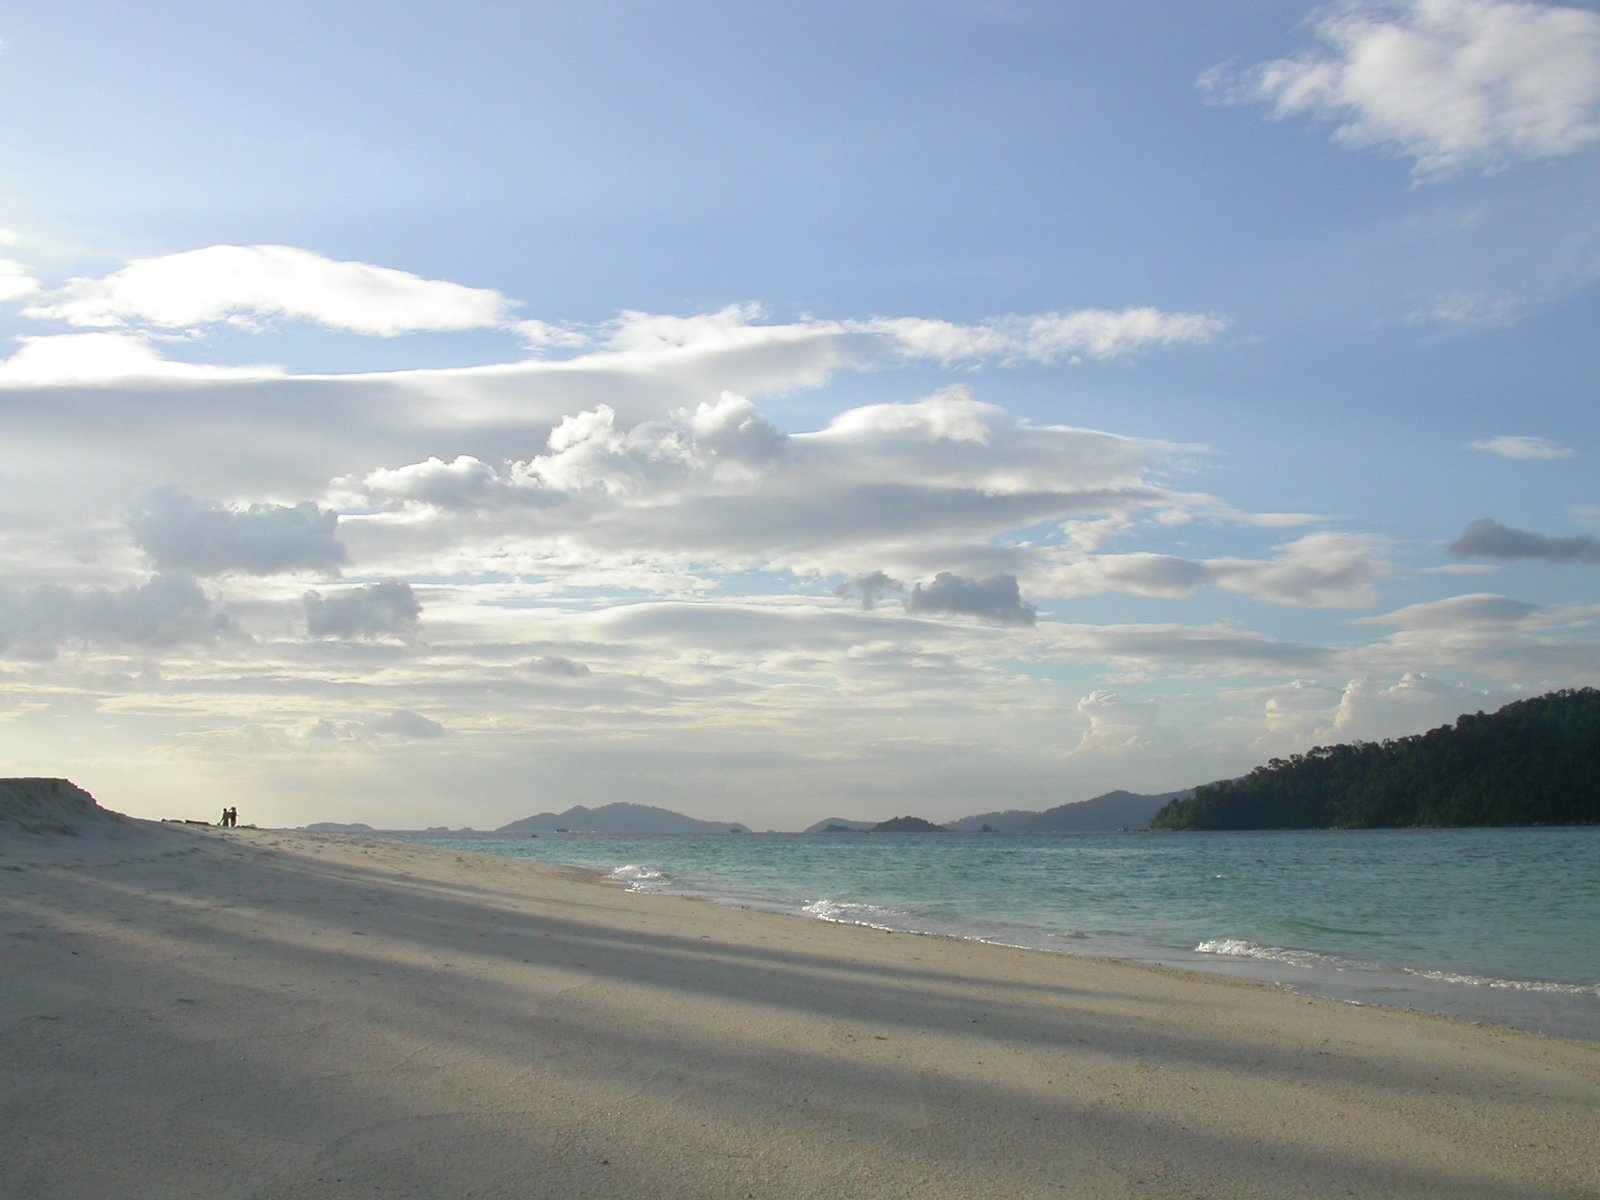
(632, 542)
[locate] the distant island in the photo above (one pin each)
(618, 818)
(1534, 762)
(907, 825)
(1103, 814)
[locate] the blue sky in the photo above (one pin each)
(778, 411)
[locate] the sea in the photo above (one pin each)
(1498, 926)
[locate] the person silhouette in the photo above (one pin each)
(224, 821)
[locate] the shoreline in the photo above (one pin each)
(1557, 1008)
(265, 1013)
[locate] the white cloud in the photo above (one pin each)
(1417, 702)
(737, 323)
(640, 363)
(242, 285)
(1521, 448)
(94, 358)
(1123, 729)
(1320, 570)
(725, 441)
(1487, 636)
(377, 610)
(1452, 84)
(463, 483)
(15, 282)
(903, 488)
(182, 532)
(1046, 337)
(1039, 338)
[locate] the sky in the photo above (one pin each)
(434, 415)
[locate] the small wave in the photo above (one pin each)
(1238, 948)
(1520, 985)
(845, 913)
(640, 878)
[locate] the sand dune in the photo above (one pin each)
(235, 1013)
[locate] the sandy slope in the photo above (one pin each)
(197, 1012)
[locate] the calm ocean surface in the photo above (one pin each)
(1491, 925)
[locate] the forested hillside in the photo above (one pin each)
(1535, 762)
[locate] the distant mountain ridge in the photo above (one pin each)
(619, 818)
(1107, 813)
(1112, 811)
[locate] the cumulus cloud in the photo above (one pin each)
(463, 483)
(1451, 84)
(182, 532)
(1368, 709)
(868, 588)
(1121, 728)
(1487, 538)
(722, 441)
(376, 610)
(242, 285)
(403, 723)
(166, 610)
(1522, 448)
(997, 598)
(899, 488)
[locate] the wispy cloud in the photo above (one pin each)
(1521, 448)
(1454, 85)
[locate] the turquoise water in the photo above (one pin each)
(1492, 925)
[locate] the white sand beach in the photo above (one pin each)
(197, 1012)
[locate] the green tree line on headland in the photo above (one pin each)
(1534, 762)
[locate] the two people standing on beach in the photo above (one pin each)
(230, 818)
